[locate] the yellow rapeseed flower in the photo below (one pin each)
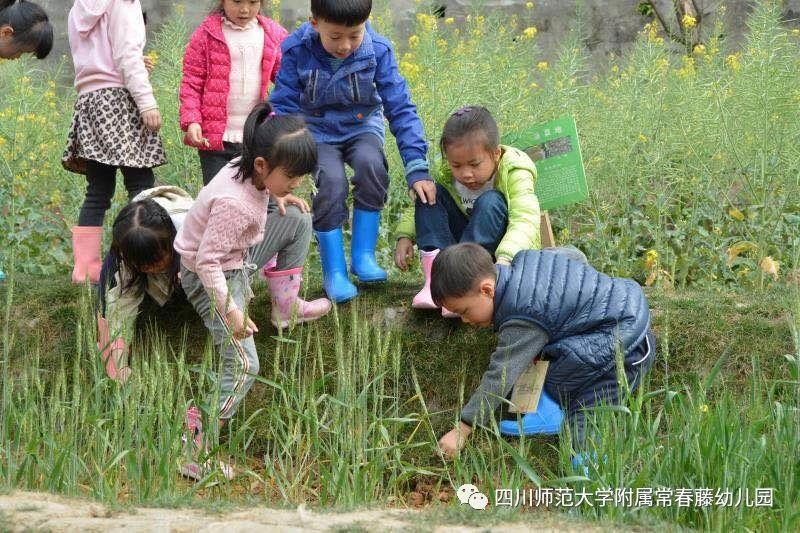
(529, 32)
(699, 49)
(642, 138)
(428, 22)
(413, 41)
(542, 65)
(651, 29)
(688, 21)
(529, 5)
(733, 62)
(688, 67)
(770, 267)
(795, 32)
(449, 20)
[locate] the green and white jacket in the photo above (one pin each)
(514, 179)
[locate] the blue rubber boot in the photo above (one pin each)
(545, 421)
(582, 461)
(334, 268)
(362, 249)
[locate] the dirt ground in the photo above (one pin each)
(25, 511)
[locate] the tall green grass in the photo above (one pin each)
(344, 419)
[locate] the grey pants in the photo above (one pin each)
(288, 236)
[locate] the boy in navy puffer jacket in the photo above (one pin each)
(343, 78)
(545, 303)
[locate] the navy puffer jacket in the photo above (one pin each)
(586, 314)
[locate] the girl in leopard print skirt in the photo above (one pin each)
(116, 117)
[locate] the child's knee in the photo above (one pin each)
(491, 200)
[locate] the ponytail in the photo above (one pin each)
(282, 140)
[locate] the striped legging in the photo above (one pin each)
(288, 236)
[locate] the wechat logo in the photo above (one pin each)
(470, 495)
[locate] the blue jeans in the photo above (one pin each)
(606, 390)
(442, 224)
(364, 154)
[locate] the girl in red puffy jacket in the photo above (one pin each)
(227, 67)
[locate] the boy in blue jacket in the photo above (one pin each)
(343, 78)
(546, 302)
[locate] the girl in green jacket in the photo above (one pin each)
(485, 194)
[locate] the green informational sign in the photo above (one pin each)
(555, 149)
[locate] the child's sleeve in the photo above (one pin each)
(518, 343)
(280, 35)
(524, 217)
(285, 96)
(222, 234)
(193, 80)
(128, 54)
(121, 307)
(404, 122)
(406, 226)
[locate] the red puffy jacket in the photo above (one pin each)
(206, 73)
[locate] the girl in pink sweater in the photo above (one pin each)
(116, 117)
(227, 236)
(227, 67)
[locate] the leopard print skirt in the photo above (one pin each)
(108, 128)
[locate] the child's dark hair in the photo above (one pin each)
(345, 12)
(467, 121)
(218, 7)
(143, 234)
(30, 24)
(283, 140)
(458, 269)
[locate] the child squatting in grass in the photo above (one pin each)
(545, 302)
(484, 194)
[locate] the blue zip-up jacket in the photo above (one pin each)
(353, 100)
(586, 314)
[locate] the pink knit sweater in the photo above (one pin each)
(227, 218)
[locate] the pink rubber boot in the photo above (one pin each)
(271, 264)
(113, 353)
(287, 307)
(86, 242)
(423, 299)
(193, 469)
(449, 314)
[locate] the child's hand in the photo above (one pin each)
(425, 190)
(502, 261)
(195, 135)
(454, 440)
(152, 119)
(149, 64)
(242, 328)
(403, 253)
(291, 199)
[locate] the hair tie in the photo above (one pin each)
(465, 109)
(271, 114)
